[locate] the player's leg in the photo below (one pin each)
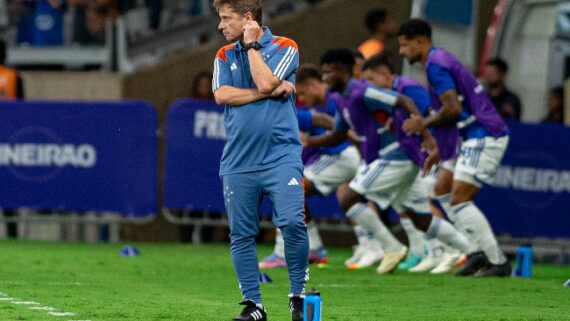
(283, 184)
(360, 212)
(242, 194)
(382, 184)
(477, 164)
(415, 202)
(416, 243)
(277, 258)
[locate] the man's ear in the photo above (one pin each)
(248, 16)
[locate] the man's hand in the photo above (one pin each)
(252, 32)
(284, 90)
(413, 125)
(431, 160)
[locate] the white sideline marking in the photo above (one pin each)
(47, 283)
(42, 308)
(25, 302)
(61, 314)
(50, 310)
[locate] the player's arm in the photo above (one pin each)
(332, 138)
(450, 110)
(377, 99)
(322, 120)
(444, 86)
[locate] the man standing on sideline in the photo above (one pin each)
(254, 79)
(462, 109)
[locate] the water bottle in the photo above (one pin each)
(313, 305)
(523, 258)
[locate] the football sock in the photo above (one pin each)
(364, 216)
(415, 236)
(315, 241)
(474, 224)
(445, 232)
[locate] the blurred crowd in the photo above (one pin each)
(55, 22)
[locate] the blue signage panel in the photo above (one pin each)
(529, 198)
(79, 156)
(530, 195)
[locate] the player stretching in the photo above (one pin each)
(253, 78)
(390, 175)
(463, 105)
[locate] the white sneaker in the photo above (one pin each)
(448, 261)
(391, 260)
(429, 262)
(371, 256)
(359, 251)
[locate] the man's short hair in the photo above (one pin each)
(341, 56)
(375, 17)
(2, 52)
(306, 72)
(414, 28)
(242, 7)
(499, 63)
(381, 59)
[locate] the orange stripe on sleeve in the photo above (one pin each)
(222, 52)
(285, 42)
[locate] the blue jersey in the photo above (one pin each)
(264, 133)
(368, 111)
(478, 117)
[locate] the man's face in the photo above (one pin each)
(411, 49)
(493, 76)
(310, 91)
(231, 23)
(379, 76)
(334, 76)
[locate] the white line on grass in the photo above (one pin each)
(61, 314)
(25, 302)
(50, 310)
(42, 308)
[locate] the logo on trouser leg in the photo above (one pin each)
(293, 182)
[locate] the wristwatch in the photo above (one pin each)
(253, 45)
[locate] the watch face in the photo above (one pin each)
(254, 45)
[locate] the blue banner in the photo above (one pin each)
(530, 196)
(79, 157)
(195, 138)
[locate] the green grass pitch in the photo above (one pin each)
(184, 282)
